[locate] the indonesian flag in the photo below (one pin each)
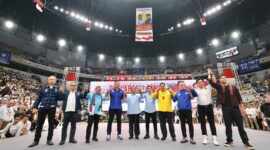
(40, 4)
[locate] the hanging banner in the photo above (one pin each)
(144, 26)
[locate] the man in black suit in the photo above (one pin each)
(71, 106)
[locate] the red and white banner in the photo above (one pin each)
(126, 85)
(144, 26)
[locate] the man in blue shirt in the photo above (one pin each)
(46, 103)
(116, 96)
(133, 103)
(150, 112)
(183, 98)
(95, 103)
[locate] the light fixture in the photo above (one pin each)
(188, 21)
(215, 42)
(101, 25)
(62, 10)
(40, 38)
(101, 56)
(119, 59)
(9, 24)
(111, 28)
(72, 14)
(199, 51)
(181, 56)
(80, 48)
(137, 59)
(96, 24)
(61, 42)
(106, 27)
(56, 7)
(162, 58)
(235, 35)
(178, 25)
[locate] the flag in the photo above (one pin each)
(203, 20)
(40, 4)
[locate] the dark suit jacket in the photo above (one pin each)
(78, 96)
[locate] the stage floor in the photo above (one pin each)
(260, 139)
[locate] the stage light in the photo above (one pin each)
(178, 25)
(181, 56)
(61, 42)
(77, 16)
(56, 7)
(218, 7)
(40, 38)
(106, 27)
(162, 58)
(101, 25)
(188, 21)
(119, 59)
(172, 28)
(199, 51)
(120, 31)
(101, 56)
(67, 12)
(72, 14)
(9, 24)
(235, 35)
(111, 28)
(215, 42)
(96, 24)
(79, 48)
(137, 59)
(116, 30)
(62, 10)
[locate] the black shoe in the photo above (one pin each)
(87, 141)
(146, 137)
(248, 146)
(184, 140)
(192, 141)
(62, 142)
(33, 144)
(173, 139)
(130, 137)
(137, 137)
(95, 139)
(156, 137)
(229, 143)
(49, 142)
(163, 138)
(73, 141)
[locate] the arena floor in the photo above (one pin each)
(260, 139)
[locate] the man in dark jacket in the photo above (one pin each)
(228, 96)
(71, 106)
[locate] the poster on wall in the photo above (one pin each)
(144, 25)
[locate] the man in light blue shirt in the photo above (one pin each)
(150, 112)
(133, 103)
(94, 110)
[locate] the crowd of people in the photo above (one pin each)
(18, 113)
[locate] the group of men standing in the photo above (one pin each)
(228, 98)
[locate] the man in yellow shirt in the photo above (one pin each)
(164, 98)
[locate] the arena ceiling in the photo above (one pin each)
(243, 16)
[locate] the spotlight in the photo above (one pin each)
(188, 21)
(96, 24)
(161, 58)
(215, 42)
(61, 42)
(72, 14)
(40, 38)
(67, 12)
(178, 25)
(137, 59)
(119, 59)
(9, 24)
(101, 56)
(106, 27)
(56, 7)
(116, 30)
(62, 10)
(120, 31)
(101, 25)
(80, 48)
(199, 51)
(181, 56)
(235, 35)
(111, 28)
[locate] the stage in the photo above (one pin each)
(260, 139)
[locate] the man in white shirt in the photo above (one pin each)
(16, 128)
(6, 114)
(71, 107)
(205, 108)
(252, 112)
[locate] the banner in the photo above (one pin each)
(126, 86)
(5, 57)
(144, 26)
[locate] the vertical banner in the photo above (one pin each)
(144, 26)
(5, 57)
